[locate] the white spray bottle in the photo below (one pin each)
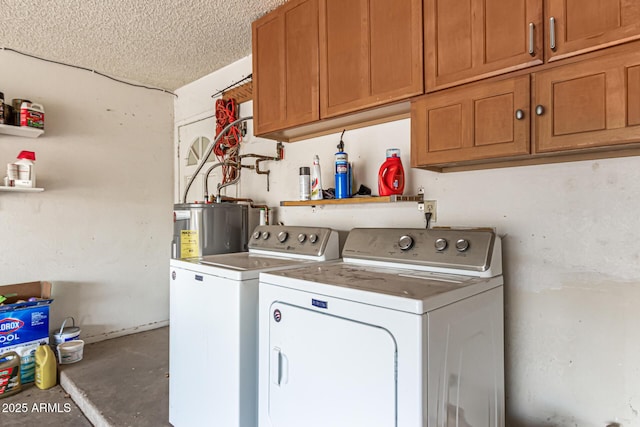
(316, 180)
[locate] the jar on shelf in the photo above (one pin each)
(2, 113)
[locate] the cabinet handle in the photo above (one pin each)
(531, 47)
(539, 110)
(552, 33)
(519, 114)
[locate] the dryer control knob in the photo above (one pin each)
(302, 237)
(405, 242)
(313, 238)
(282, 236)
(256, 235)
(441, 244)
(462, 245)
(265, 235)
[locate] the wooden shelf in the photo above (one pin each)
(21, 189)
(26, 131)
(354, 200)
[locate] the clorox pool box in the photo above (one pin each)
(24, 322)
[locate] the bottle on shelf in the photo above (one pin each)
(342, 172)
(2, 110)
(305, 182)
(391, 174)
(316, 179)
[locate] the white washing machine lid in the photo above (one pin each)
(238, 266)
(401, 289)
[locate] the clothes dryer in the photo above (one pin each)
(406, 330)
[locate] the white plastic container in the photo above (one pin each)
(70, 352)
(32, 115)
(69, 333)
(26, 169)
(316, 180)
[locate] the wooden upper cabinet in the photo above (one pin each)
(467, 40)
(370, 53)
(589, 104)
(286, 67)
(578, 26)
(485, 120)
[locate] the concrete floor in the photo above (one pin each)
(119, 382)
(35, 407)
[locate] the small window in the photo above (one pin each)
(197, 149)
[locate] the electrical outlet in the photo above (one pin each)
(431, 206)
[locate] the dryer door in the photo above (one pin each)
(329, 371)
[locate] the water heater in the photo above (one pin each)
(201, 229)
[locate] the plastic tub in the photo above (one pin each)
(70, 352)
(70, 333)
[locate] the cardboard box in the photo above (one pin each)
(25, 325)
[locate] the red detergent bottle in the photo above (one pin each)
(391, 174)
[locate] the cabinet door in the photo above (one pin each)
(371, 53)
(479, 121)
(285, 67)
(576, 26)
(468, 40)
(589, 104)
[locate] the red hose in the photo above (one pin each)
(226, 149)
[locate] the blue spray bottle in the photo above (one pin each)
(342, 172)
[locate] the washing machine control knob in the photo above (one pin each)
(462, 245)
(282, 236)
(302, 237)
(405, 242)
(441, 244)
(313, 238)
(256, 235)
(265, 235)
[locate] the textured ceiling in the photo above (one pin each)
(161, 43)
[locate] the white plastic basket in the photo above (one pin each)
(70, 351)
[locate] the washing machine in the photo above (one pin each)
(406, 330)
(213, 360)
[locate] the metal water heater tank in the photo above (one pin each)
(201, 229)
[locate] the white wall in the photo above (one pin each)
(571, 256)
(101, 230)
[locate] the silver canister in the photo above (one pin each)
(305, 183)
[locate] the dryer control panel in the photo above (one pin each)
(458, 249)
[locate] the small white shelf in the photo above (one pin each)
(26, 131)
(21, 189)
